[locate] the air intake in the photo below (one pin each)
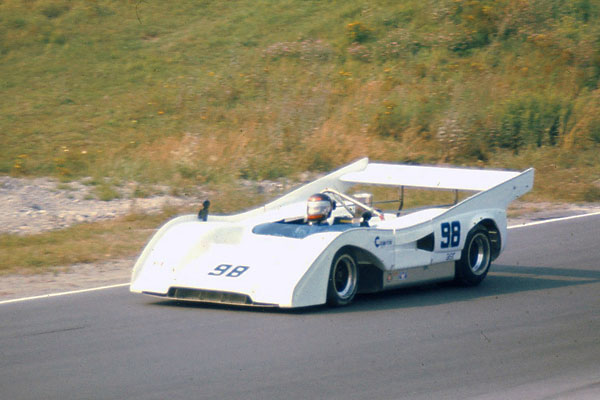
(209, 296)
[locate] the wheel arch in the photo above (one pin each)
(311, 289)
(494, 235)
(370, 268)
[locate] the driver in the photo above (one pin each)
(318, 208)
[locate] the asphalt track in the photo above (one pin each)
(531, 330)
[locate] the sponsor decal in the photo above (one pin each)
(450, 256)
(379, 242)
(397, 276)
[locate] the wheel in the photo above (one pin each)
(343, 279)
(475, 259)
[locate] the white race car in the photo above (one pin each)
(318, 244)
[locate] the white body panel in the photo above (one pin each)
(231, 259)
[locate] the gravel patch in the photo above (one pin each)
(29, 206)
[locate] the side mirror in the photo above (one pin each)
(203, 213)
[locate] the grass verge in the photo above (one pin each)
(84, 243)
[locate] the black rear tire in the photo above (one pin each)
(343, 279)
(476, 257)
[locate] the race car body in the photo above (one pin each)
(288, 254)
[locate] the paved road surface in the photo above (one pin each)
(530, 331)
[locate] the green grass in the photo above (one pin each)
(78, 244)
(211, 91)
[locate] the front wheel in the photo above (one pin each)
(343, 280)
(475, 259)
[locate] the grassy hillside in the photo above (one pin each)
(207, 91)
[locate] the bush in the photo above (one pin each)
(106, 192)
(533, 120)
(391, 121)
(52, 11)
(594, 128)
(358, 32)
(476, 21)
(591, 194)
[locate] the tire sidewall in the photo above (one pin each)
(333, 298)
(464, 274)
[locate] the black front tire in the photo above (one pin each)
(343, 279)
(476, 257)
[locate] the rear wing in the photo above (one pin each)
(429, 177)
(495, 188)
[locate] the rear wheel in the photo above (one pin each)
(343, 279)
(475, 259)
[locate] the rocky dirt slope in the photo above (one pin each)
(37, 205)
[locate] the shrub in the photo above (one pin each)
(583, 10)
(591, 193)
(391, 121)
(531, 120)
(476, 22)
(106, 192)
(594, 128)
(358, 32)
(52, 11)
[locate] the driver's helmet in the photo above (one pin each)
(319, 207)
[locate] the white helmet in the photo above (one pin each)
(319, 207)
